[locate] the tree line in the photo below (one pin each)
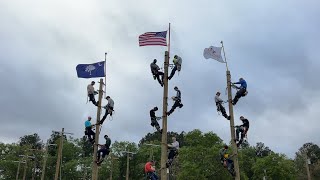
(198, 158)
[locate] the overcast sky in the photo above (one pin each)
(274, 45)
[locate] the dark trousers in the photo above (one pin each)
(104, 152)
(176, 104)
(157, 75)
(92, 99)
(173, 72)
(108, 111)
(238, 130)
(222, 110)
(90, 134)
(239, 94)
(152, 176)
(155, 123)
(172, 154)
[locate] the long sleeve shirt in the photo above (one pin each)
(178, 96)
(222, 152)
(245, 123)
(90, 89)
(110, 103)
(217, 99)
(152, 113)
(174, 145)
(243, 83)
(154, 67)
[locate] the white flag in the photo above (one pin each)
(213, 53)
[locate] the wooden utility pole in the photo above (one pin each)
(234, 146)
(17, 176)
(307, 166)
(25, 170)
(95, 150)
(45, 160)
(18, 170)
(62, 133)
(164, 147)
(59, 156)
(128, 159)
(111, 168)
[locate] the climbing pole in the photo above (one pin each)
(233, 142)
(95, 149)
(164, 148)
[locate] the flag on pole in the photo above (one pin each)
(91, 70)
(153, 39)
(213, 53)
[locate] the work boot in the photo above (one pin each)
(181, 106)
(168, 113)
(229, 117)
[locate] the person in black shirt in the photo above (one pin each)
(243, 129)
(104, 149)
(154, 122)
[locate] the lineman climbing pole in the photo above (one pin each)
(234, 146)
(95, 150)
(164, 147)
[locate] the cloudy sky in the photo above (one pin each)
(272, 44)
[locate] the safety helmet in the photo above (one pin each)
(241, 118)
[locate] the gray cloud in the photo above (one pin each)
(272, 47)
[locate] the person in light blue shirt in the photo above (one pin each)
(88, 130)
(241, 92)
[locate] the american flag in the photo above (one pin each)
(153, 39)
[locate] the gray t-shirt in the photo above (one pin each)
(217, 99)
(110, 103)
(175, 145)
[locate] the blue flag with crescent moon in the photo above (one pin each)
(91, 70)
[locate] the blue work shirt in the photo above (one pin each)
(87, 124)
(243, 84)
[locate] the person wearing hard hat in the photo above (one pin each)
(155, 72)
(219, 105)
(91, 92)
(243, 129)
(154, 122)
(177, 101)
(177, 61)
(88, 131)
(241, 92)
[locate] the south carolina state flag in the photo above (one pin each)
(91, 70)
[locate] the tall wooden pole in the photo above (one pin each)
(164, 119)
(307, 166)
(25, 170)
(17, 176)
(59, 156)
(128, 163)
(44, 162)
(95, 150)
(234, 146)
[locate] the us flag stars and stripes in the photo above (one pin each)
(153, 39)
